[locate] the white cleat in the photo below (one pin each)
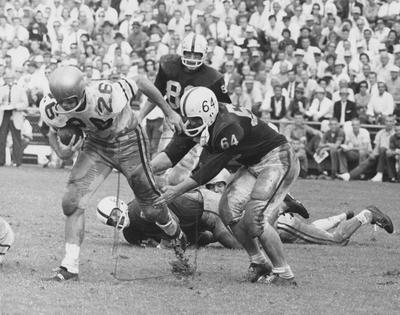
(344, 176)
(377, 178)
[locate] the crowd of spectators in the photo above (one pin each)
(290, 61)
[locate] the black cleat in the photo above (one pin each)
(62, 274)
(295, 206)
(258, 271)
(380, 219)
(349, 214)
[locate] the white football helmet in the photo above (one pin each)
(194, 51)
(6, 238)
(111, 213)
(199, 108)
(67, 83)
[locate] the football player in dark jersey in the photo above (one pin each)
(250, 203)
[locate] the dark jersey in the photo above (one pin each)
(236, 133)
(173, 79)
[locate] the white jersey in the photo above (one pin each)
(104, 113)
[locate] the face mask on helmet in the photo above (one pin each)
(68, 105)
(193, 126)
(192, 60)
(113, 214)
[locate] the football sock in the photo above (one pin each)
(283, 272)
(258, 258)
(170, 228)
(330, 222)
(364, 217)
(71, 259)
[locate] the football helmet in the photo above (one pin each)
(6, 238)
(194, 51)
(67, 83)
(199, 108)
(113, 214)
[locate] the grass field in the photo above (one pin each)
(362, 278)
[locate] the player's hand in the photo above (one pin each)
(66, 151)
(174, 121)
(169, 194)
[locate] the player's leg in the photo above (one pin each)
(275, 175)
(6, 238)
(333, 221)
(89, 171)
(231, 209)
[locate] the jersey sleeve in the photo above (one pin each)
(178, 147)
(161, 80)
(220, 91)
(212, 166)
(49, 116)
(122, 93)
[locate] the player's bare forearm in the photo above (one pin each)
(160, 163)
(188, 184)
(153, 94)
(147, 108)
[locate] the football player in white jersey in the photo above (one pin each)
(6, 238)
(114, 139)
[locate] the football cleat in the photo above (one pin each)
(349, 214)
(181, 267)
(62, 274)
(276, 280)
(380, 219)
(258, 271)
(295, 206)
(344, 176)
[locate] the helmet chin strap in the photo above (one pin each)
(204, 137)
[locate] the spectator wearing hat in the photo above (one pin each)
(298, 104)
(137, 39)
(320, 64)
(308, 51)
(19, 30)
(13, 101)
(252, 88)
(231, 77)
(356, 147)
(309, 84)
(343, 84)
(256, 63)
(380, 105)
(300, 64)
(383, 67)
(340, 74)
(126, 23)
(344, 110)
(160, 48)
(321, 107)
(119, 41)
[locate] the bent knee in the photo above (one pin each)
(70, 205)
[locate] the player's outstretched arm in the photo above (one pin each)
(145, 110)
(171, 192)
(64, 151)
(149, 89)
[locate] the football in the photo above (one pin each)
(65, 134)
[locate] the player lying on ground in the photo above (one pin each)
(6, 238)
(335, 230)
(114, 139)
(250, 204)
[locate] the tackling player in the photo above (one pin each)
(6, 238)
(250, 204)
(114, 139)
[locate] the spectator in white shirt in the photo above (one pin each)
(19, 54)
(6, 30)
(383, 67)
(19, 30)
(339, 73)
(273, 29)
(310, 85)
(356, 148)
(380, 105)
(389, 9)
(321, 107)
(110, 14)
(233, 30)
(217, 27)
(161, 49)
(320, 64)
(121, 43)
(228, 10)
(370, 44)
(177, 23)
(259, 17)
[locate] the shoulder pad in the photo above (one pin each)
(212, 74)
(170, 64)
(47, 113)
(226, 135)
